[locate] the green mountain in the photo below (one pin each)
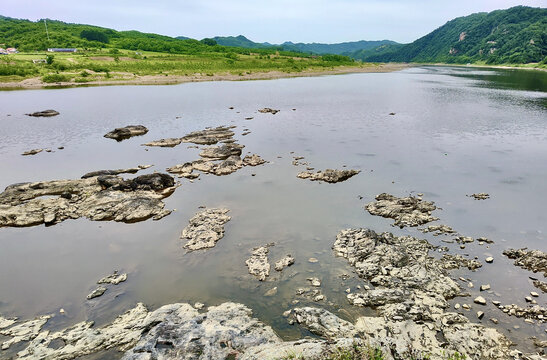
(515, 35)
(340, 48)
(239, 41)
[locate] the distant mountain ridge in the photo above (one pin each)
(515, 35)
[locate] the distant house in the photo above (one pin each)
(12, 51)
(62, 50)
(3, 51)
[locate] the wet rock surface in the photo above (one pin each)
(113, 278)
(209, 136)
(480, 196)
(32, 152)
(407, 211)
(535, 313)
(24, 331)
(283, 263)
(97, 198)
(205, 229)
(45, 113)
(532, 260)
(221, 152)
(5, 322)
(96, 293)
(115, 172)
(329, 175)
(169, 142)
(322, 322)
(258, 262)
(126, 132)
(253, 160)
(438, 230)
(542, 285)
(268, 111)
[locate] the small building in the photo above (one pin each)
(67, 50)
(12, 51)
(3, 51)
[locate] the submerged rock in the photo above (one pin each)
(169, 142)
(205, 229)
(127, 132)
(408, 211)
(532, 260)
(113, 279)
(221, 152)
(438, 230)
(268, 110)
(24, 331)
(32, 152)
(542, 285)
(329, 175)
(283, 263)
(115, 172)
(6, 322)
(45, 113)
(253, 160)
(98, 198)
(209, 136)
(96, 293)
(258, 262)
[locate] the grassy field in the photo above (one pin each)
(113, 64)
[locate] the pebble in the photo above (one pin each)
(534, 294)
(489, 259)
(457, 306)
(313, 260)
(480, 314)
(466, 307)
(62, 311)
(348, 290)
(315, 282)
(528, 299)
(494, 320)
(495, 302)
(199, 305)
(480, 300)
(319, 298)
(485, 287)
(470, 284)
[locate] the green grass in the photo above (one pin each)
(100, 64)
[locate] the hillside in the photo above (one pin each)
(515, 35)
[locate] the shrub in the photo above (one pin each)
(53, 78)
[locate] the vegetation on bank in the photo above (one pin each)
(514, 36)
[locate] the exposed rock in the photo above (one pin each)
(32, 152)
(268, 110)
(96, 293)
(169, 142)
(253, 160)
(314, 281)
(329, 175)
(485, 287)
(97, 198)
(209, 136)
(542, 285)
(464, 239)
(408, 282)
(438, 230)
(532, 260)
(271, 292)
(533, 312)
(451, 262)
(24, 331)
(123, 133)
(480, 300)
(113, 279)
(221, 152)
(322, 322)
(409, 211)
(115, 172)
(283, 263)
(205, 229)
(6, 322)
(258, 262)
(45, 113)
(480, 196)
(489, 260)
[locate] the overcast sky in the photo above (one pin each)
(274, 21)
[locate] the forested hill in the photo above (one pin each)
(312, 48)
(515, 35)
(26, 35)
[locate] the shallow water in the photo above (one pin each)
(456, 131)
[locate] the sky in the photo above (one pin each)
(274, 21)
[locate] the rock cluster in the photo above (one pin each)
(407, 211)
(438, 230)
(532, 313)
(408, 283)
(127, 132)
(25, 331)
(205, 229)
(45, 113)
(169, 142)
(97, 198)
(329, 175)
(532, 260)
(258, 262)
(217, 160)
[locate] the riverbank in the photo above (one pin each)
(122, 78)
(505, 67)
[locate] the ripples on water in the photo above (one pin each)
(456, 131)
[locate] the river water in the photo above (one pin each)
(456, 131)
